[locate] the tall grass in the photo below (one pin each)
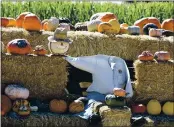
(78, 12)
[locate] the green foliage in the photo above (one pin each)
(82, 11)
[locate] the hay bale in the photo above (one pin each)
(45, 77)
(91, 43)
(115, 116)
(154, 80)
(45, 119)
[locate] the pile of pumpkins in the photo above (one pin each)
(104, 22)
(154, 108)
(32, 22)
(16, 96)
(107, 22)
(160, 56)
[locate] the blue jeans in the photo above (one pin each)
(93, 97)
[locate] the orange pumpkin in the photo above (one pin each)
(144, 21)
(32, 22)
(20, 19)
(119, 92)
(76, 106)
(4, 21)
(168, 24)
(6, 104)
(58, 106)
(19, 46)
(12, 22)
(108, 16)
(40, 50)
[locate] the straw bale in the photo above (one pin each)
(45, 77)
(91, 43)
(115, 116)
(44, 120)
(154, 80)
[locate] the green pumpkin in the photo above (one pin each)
(115, 101)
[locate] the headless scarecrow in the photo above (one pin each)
(108, 72)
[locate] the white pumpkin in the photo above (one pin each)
(53, 23)
(65, 25)
(16, 92)
(93, 25)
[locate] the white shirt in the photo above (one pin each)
(108, 72)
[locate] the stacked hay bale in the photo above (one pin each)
(91, 43)
(155, 80)
(45, 77)
(45, 119)
(115, 116)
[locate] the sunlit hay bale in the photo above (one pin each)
(115, 116)
(45, 119)
(91, 43)
(45, 77)
(155, 80)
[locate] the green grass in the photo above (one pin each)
(78, 12)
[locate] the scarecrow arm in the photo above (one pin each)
(86, 63)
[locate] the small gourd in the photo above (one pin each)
(40, 50)
(119, 92)
(154, 107)
(12, 22)
(124, 28)
(168, 108)
(58, 106)
(16, 92)
(155, 32)
(115, 101)
(21, 107)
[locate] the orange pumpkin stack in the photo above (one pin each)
(6, 105)
(4, 21)
(168, 24)
(20, 19)
(58, 106)
(32, 22)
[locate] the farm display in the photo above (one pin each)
(40, 65)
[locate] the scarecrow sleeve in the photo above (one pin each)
(85, 63)
(128, 89)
